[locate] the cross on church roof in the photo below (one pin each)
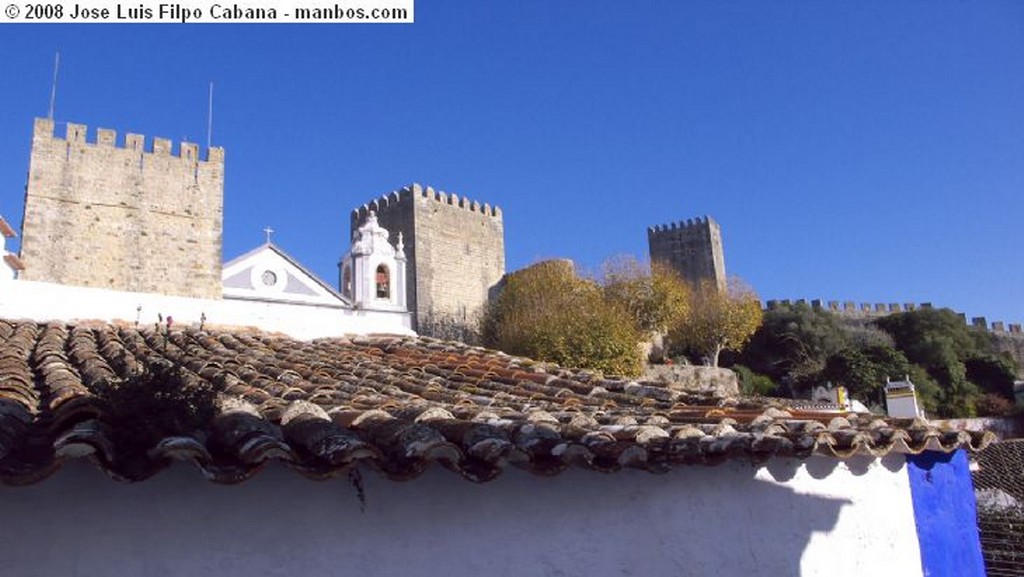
(269, 231)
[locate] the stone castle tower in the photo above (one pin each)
(120, 217)
(693, 248)
(456, 255)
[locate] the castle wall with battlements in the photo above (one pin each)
(120, 216)
(692, 247)
(455, 248)
(1007, 337)
(852, 309)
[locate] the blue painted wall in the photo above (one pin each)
(946, 516)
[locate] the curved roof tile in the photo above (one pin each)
(136, 400)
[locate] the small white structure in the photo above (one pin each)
(12, 264)
(901, 400)
(373, 272)
(837, 396)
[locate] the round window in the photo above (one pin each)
(269, 278)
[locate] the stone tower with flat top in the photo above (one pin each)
(693, 248)
(120, 216)
(456, 255)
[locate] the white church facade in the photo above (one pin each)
(264, 288)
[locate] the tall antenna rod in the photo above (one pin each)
(53, 87)
(209, 121)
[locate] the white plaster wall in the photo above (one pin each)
(42, 301)
(822, 518)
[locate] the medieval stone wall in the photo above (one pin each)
(121, 217)
(456, 254)
(693, 248)
(851, 309)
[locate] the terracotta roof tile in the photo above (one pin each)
(399, 404)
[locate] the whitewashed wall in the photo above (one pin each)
(47, 301)
(819, 518)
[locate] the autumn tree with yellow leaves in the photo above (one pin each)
(549, 313)
(718, 320)
(656, 297)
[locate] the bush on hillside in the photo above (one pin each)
(548, 313)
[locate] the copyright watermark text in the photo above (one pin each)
(210, 11)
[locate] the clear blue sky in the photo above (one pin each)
(869, 151)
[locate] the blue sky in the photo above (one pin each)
(869, 151)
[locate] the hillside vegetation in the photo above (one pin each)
(959, 370)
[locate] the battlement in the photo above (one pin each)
(405, 194)
(107, 138)
(698, 223)
(851, 307)
(871, 310)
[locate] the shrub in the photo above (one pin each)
(549, 313)
(752, 383)
(157, 403)
(993, 405)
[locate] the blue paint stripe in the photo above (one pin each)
(946, 515)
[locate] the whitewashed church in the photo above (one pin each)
(265, 288)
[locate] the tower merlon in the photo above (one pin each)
(162, 146)
(190, 151)
(76, 132)
(106, 137)
(134, 141)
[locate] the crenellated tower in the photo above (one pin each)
(119, 216)
(693, 248)
(456, 255)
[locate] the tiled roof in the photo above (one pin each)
(1001, 467)
(134, 400)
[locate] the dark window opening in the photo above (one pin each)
(383, 282)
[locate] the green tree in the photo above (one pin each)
(793, 344)
(941, 343)
(548, 313)
(926, 334)
(993, 373)
(864, 371)
(929, 392)
(718, 320)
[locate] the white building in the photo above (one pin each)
(264, 288)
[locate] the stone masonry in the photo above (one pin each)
(119, 217)
(456, 255)
(693, 248)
